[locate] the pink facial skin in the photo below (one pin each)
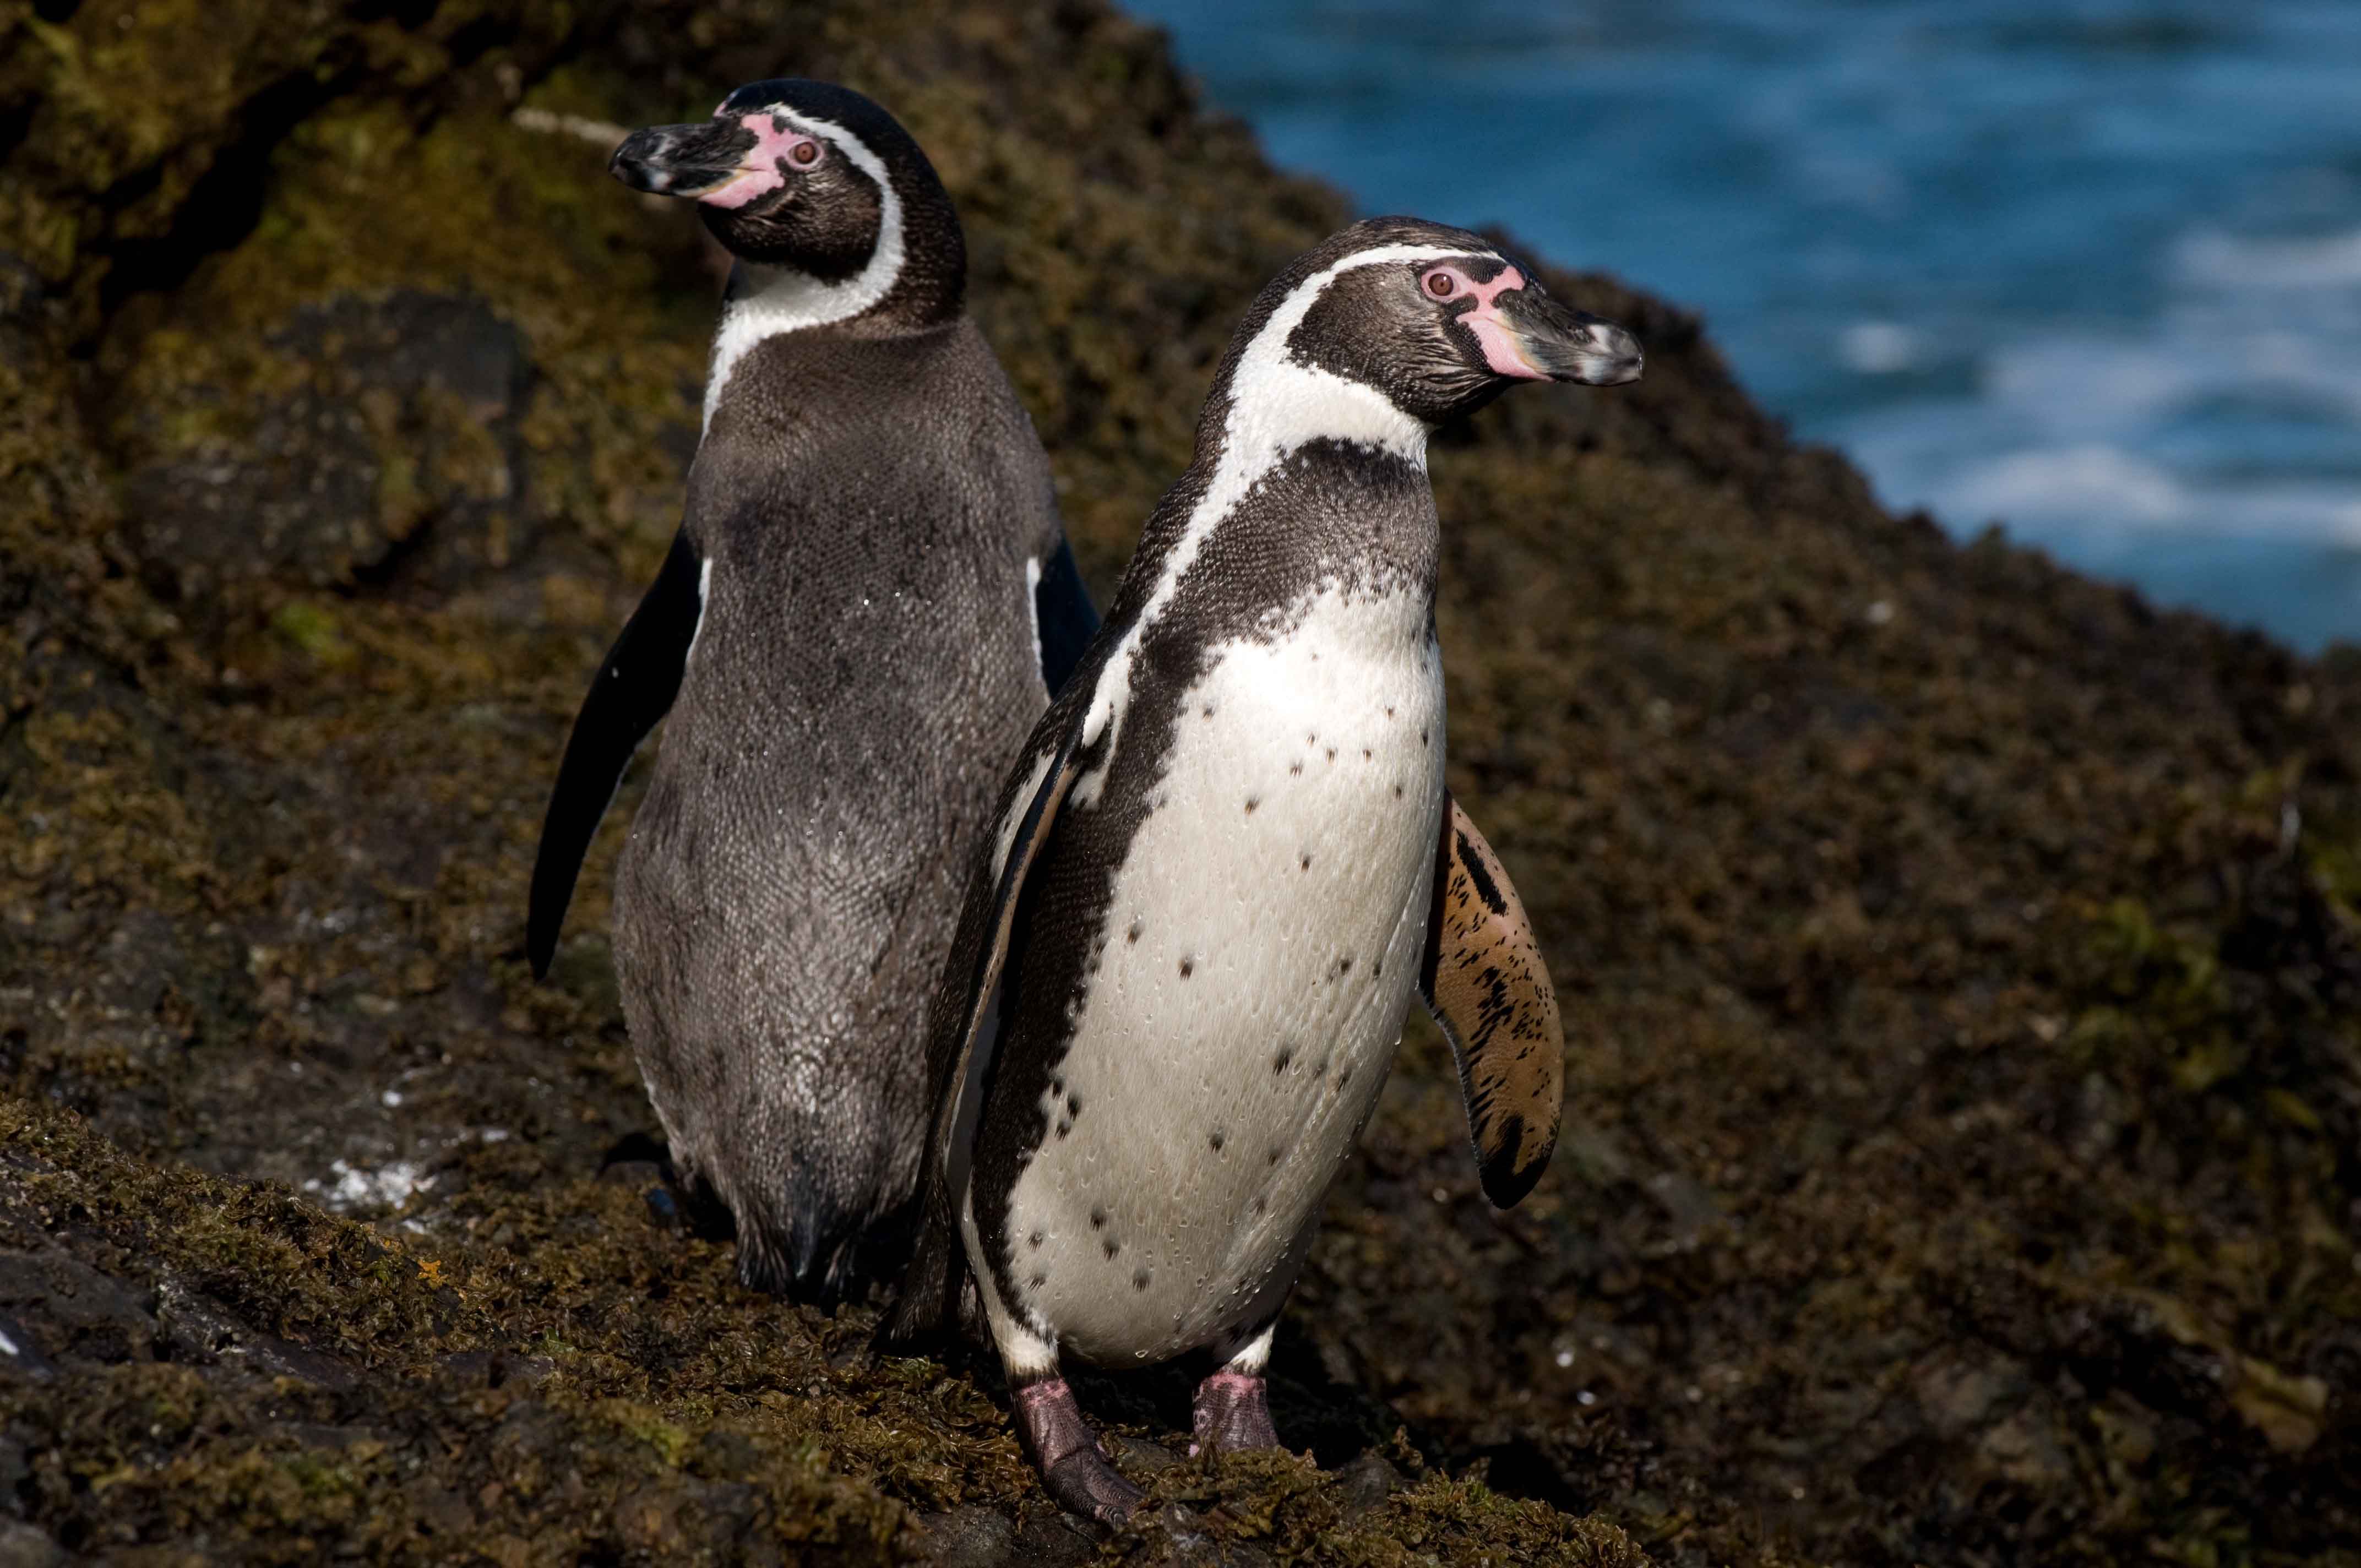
(763, 168)
(1501, 350)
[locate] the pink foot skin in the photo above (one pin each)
(1067, 1452)
(1233, 1412)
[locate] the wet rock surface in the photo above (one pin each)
(1960, 958)
(399, 455)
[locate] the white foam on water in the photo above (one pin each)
(2092, 489)
(2064, 483)
(2210, 259)
(1879, 347)
(2093, 439)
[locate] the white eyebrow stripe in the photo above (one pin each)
(783, 300)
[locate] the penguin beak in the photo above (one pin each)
(1538, 339)
(699, 162)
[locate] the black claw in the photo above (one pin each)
(1085, 1483)
(1073, 1467)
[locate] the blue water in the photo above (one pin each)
(2089, 269)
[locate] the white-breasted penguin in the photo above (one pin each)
(868, 605)
(1227, 858)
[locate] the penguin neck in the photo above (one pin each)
(1265, 405)
(1271, 405)
(915, 281)
(1368, 460)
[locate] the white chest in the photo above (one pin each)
(1260, 948)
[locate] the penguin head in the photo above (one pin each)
(810, 177)
(1434, 319)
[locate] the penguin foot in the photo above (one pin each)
(1071, 1466)
(1233, 1412)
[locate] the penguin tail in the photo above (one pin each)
(799, 1268)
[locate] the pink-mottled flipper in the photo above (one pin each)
(1484, 980)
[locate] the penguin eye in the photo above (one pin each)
(1440, 283)
(805, 154)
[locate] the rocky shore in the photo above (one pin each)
(1961, 961)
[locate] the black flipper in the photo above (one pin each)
(980, 1024)
(634, 688)
(966, 1022)
(1062, 608)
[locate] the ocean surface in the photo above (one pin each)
(2088, 269)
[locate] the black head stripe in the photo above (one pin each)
(1375, 325)
(880, 131)
(826, 222)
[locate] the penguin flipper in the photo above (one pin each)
(979, 1021)
(1066, 617)
(935, 1293)
(1484, 980)
(634, 688)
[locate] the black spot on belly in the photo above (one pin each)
(1306, 859)
(1253, 801)
(1389, 713)
(1064, 1127)
(1261, 1203)
(1275, 1152)
(1345, 964)
(1033, 1240)
(1139, 1279)
(1218, 1139)
(1278, 1062)
(1332, 754)
(1098, 1219)
(1397, 792)
(1295, 767)
(1422, 737)
(1209, 710)
(1131, 935)
(1188, 968)
(1039, 1281)
(1073, 1104)
(1110, 1247)
(1366, 753)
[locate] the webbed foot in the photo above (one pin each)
(1067, 1452)
(1233, 1412)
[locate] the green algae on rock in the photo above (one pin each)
(1961, 957)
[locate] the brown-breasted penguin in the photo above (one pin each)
(867, 605)
(1225, 859)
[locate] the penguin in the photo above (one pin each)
(1227, 858)
(867, 604)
